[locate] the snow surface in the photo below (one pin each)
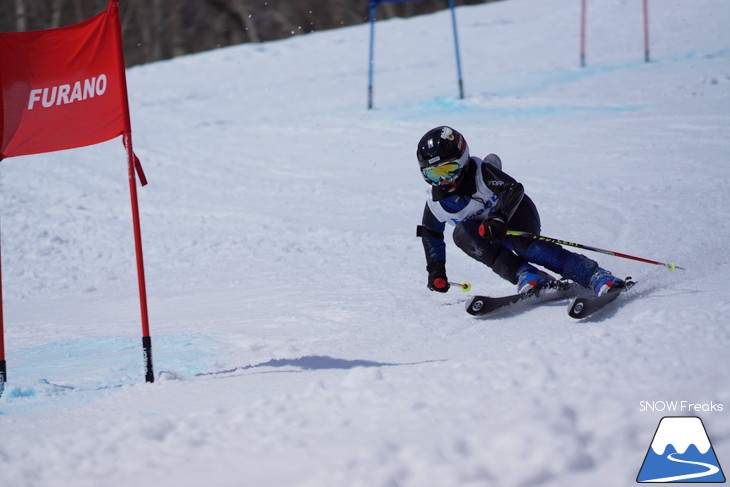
(294, 340)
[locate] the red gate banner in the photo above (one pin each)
(65, 88)
(62, 88)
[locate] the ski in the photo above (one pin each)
(582, 307)
(487, 305)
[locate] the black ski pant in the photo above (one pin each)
(506, 257)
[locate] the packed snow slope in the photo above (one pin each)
(294, 340)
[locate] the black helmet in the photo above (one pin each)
(442, 155)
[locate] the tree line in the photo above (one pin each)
(161, 29)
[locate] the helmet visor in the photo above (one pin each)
(446, 171)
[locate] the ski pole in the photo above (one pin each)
(517, 233)
(464, 286)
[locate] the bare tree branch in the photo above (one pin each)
(159, 29)
(21, 20)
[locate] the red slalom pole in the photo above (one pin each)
(517, 233)
(134, 170)
(146, 339)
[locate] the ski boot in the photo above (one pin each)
(529, 277)
(602, 281)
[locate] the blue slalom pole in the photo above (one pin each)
(456, 46)
(373, 5)
(646, 31)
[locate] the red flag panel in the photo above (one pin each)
(62, 88)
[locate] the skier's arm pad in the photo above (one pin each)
(422, 231)
(509, 191)
(431, 231)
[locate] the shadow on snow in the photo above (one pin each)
(315, 362)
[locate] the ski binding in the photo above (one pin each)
(555, 290)
(582, 307)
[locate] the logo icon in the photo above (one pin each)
(680, 452)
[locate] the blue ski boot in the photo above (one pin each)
(602, 281)
(528, 278)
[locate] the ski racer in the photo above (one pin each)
(482, 202)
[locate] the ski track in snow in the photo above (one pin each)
(294, 340)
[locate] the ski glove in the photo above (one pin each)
(493, 229)
(437, 280)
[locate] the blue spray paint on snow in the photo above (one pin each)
(72, 372)
(449, 106)
(518, 84)
(532, 82)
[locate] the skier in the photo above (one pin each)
(483, 202)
